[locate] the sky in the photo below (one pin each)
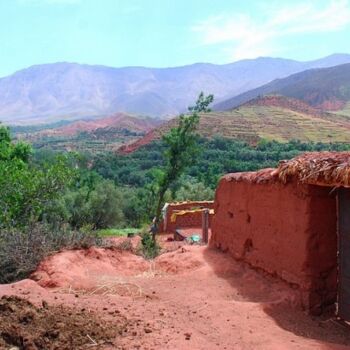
(163, 33)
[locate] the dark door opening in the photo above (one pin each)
(343, 204)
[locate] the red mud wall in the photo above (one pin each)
(188, 219)
(286, 230)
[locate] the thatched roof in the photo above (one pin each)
(257, 177)
(317, 168)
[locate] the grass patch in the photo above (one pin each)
(118, 232)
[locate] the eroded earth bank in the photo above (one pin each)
(190, 297)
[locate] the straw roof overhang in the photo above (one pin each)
(263, 176)
(317, 168)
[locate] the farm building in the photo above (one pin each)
(181, 215)
(292, 222)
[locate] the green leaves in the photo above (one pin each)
(181, 147)
(27, 189)
(98, 205)
(8, 150)
(202, 104)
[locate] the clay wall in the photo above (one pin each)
(193, 219)
(190, 220)
(286, 230)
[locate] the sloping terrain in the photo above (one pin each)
(272, 118)
(97, 135)
(327, 89)
(190, 298)
(284, 102)
(116, 121)
(51, 92)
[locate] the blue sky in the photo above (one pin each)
(162, 33)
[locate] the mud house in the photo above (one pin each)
(188, 214)
(292, 222)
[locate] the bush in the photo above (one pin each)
(22, 250)
(99, 207)
(192, 190)
(149, 246)
(26, 190)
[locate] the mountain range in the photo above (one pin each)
(326, 89)
(70, 91)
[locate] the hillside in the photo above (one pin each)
(327, 89)
(51, 92)
(271, 118)
(117, 121)
(89, 135)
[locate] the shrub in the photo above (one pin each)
(193, 190)
(27, 189)
(99, 207)
(22, 249)
(149, 246)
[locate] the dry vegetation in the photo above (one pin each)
(322, 168)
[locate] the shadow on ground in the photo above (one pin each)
(278, 301)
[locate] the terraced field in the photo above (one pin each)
(345, 111)
(249, 123)
(252, 123)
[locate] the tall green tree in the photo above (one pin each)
(26, 189)
(181, 148)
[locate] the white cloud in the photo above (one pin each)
(246, 37)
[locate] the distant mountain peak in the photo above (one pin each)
(69, 91)
(326, 89)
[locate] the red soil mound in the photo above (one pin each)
(179, 261)
(27, 327)
(85, 269)
(219, 304)
(95, 267)
(23, 288)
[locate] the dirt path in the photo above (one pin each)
(192, 298)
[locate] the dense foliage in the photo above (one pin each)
(31, 190)
(51, 199)
(26, 189)
(217, 157)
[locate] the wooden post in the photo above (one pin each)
(205, 225)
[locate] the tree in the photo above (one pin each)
(193, 190)
(97, 204)
(181, 148)
(12, 151)
(26, 190)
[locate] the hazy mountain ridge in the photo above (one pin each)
(326, 89)
(71, 91)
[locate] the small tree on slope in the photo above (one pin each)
(181, 148)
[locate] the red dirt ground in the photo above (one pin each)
(189, 298)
